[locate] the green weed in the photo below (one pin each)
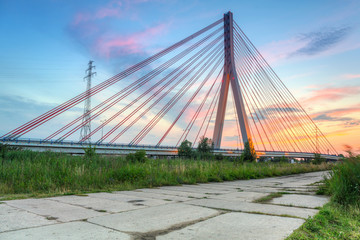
(35, 174)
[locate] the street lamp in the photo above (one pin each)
(102, 127)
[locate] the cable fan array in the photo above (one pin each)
(173, 95)
(278, 122)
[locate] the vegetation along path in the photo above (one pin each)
(268, 208)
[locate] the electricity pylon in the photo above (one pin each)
(86, 128)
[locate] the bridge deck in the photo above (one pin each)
(123, 149)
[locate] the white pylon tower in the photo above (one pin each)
(86, 128)
(230, 77)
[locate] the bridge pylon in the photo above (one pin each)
(230, 78)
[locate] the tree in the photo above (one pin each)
(185, 150)
(318, 159)
(249, 154)
(205, 148)
(206, 145)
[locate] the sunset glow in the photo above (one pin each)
(315, 52)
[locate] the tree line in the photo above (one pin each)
(205, 151)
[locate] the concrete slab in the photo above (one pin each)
(308, 201)
(196, 189)
(153, 212)
(137, 201)
(99, 204)
(154, 218)
(254, 207)
(168, 191)
(238, 226)
(13, 218)
(69, 231)
(215, 186)
(55, 210)
(175, 195)
(149, 194)
(241, 196)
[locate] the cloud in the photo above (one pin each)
(326, 41)
(111, 9)
(273, 112)
(343, 111)
(338, 115)
(119, 45)
(17, 110)
(331, 94)
(348, 122)
(320, 41)
(98, 31)
(329, 118)
(351, 76)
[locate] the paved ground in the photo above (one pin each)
(204, 211)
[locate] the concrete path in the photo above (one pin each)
(205, 211)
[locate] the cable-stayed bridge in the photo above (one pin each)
(213, 83)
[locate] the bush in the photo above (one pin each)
(90, 152)
(318, 159)
(138, 156)
(219, 157)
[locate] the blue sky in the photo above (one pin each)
(314, 46)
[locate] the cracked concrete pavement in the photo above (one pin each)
(223, 210)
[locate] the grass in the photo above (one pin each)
(333, 221)
(269, 197)
(26, 174)
(339, 219)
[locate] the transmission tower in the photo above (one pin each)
(86, 128)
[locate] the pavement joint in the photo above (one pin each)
(251, 212)
(152, 235)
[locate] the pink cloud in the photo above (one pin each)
(339, 112)
(121, 45)
(331, 94)
(107, 12)
(351, 76)
(344, 111)
(111, 9)
(279, 51)
(81, 17)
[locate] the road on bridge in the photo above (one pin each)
(205, 211)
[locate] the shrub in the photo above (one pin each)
(219, 157)
(138, 156)
(90, 152)
(318, 159)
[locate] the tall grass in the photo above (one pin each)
(339, 219)
(26, 172)
(344, 182)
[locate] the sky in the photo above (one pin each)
(45, 45)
